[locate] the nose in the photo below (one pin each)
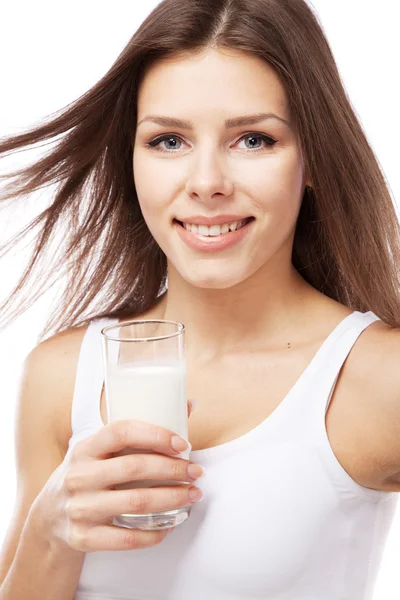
(208, 176)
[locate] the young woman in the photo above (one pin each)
(217, 176)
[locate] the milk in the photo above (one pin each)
(150, 392)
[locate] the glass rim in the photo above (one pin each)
(181, 329)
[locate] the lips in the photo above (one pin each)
(227, 222)
(218, 243)
(217, 220)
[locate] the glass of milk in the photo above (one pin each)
(145, 379)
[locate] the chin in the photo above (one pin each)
(212, 281)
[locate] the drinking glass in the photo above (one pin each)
(145, 379)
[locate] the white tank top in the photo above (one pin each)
(281, 519)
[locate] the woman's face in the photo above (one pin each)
(250, 170)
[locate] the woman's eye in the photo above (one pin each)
(165, 138)
(257, 136)
(172, 139)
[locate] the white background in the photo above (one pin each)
(51, 53)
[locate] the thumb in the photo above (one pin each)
(192, 405)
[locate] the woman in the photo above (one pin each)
(228, 114)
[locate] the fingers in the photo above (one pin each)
(90, 508)
(118, 435)
(110, 537)
(132, 467)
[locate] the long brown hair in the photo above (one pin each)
(347, 235)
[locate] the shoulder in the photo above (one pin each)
(376, 355)
(381, 353)
(50, 372)
(61, 349)
(374, 375)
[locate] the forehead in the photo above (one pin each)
(211, 82)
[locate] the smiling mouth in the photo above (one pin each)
(245, 222)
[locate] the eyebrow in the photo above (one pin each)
(229, 123)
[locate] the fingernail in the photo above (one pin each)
(178, 444)
(193, 403)
(196, 471)
(195, 494)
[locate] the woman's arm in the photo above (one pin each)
(40, 571)
(30, 568)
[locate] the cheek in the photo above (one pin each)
(152, 189)
(288, 180)
(274, 175)
(279, 197)
(280, 190)
(148, 193)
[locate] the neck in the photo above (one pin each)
(257, 313)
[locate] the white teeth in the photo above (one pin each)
(214, 230)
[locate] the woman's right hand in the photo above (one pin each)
(77, 505)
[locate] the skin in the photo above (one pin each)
(242, 298)
(243, 305)
(250, 292)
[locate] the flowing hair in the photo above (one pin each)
(346, 242)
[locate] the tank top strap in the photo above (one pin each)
(85, 410)
(329, 361)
